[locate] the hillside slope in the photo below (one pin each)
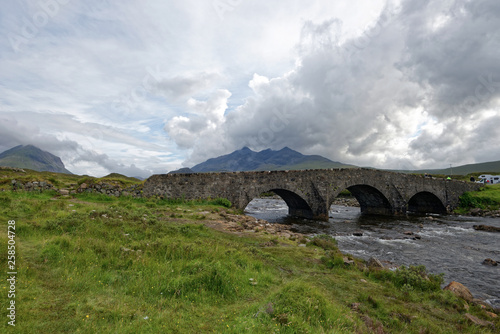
(492, 167)
(31, 157)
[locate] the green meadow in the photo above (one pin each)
(89, 263)
(488, 198)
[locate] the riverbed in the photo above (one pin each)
(443, 243)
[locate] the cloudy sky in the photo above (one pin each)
(142, 87)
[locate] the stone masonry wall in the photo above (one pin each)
(378, 191)
(100, 187)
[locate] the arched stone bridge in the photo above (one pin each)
(310, 193)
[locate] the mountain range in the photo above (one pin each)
(248, 160)
(31, 157)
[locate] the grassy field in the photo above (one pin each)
(487, 198)
(60, 180)
(97, 264)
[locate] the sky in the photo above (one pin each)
(145, 87)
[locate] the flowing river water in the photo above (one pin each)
(444, 244)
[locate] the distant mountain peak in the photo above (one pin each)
(31, 157)
(247, 160)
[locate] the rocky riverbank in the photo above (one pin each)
(477, 212)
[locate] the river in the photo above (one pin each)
(444, 244)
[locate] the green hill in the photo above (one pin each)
(492, 167)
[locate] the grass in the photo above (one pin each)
(95, 264)
(62, 180)
(488, 197)
(57, 179)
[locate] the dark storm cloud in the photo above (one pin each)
(455, 61)
(414, 88)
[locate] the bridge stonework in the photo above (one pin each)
(310, 193)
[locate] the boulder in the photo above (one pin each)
(486, 228)
(460, 291)
(64, 192)
(476, 212)
(477, 321)
(375, 263)
(491, 314)
(490, 262)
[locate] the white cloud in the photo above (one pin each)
(399, 94)
(155, 85)
(202, 127)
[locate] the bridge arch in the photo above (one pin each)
(297, 206)
(378, 192)
(426, 202)
(294, 199)
(371, 200)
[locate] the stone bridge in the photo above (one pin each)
(310, 193)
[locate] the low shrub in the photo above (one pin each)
(222, 202)
(324, 241)
(417, 278)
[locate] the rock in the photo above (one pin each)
(486, 228)
(269, 308)
(64, 192)
(285, 235)
(347, 261)
(408, 233)
(476, 212)
(460, 291)
(358, 234)
(490, 262)
(478, 321)
(84, 186)
(481, 303)
(491, 314)
(375, 263)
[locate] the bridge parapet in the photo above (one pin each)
(310, 193)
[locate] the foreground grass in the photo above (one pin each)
(98, 264)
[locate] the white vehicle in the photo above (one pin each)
(489, 179)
